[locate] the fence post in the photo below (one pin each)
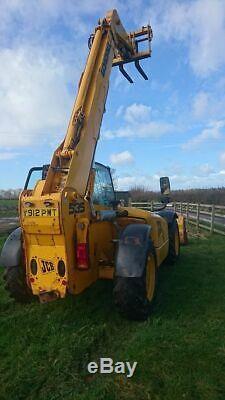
(197, 217)
(212, 218)
(181, 207)
(152, 208)
(187, 214)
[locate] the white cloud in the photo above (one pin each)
(222, 158)
(207, 52)
(199, 24)
(39, 63)
(127, 182)
(209, 105)
(137, 113)
(119, 111)
(200, 104)
(39, 17)
(178, 181)
(7, 156)
(212, 132)
(152, 129)
(170, 169)
(35, 101)
(38, 66)
(222, 172)
(123, 158)
(205, 169)
(139, 124)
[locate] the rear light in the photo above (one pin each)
(82, 256)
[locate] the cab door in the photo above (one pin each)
(102, 232)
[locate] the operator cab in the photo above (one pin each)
(103, 193)
(35, 174)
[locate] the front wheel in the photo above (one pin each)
(133, 296)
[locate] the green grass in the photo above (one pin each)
(8, 208)
(180, 350)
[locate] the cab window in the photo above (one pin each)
(103, 188)
(34, 175)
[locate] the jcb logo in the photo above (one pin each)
(46, 266)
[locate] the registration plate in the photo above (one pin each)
(41, 212)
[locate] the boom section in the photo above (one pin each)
(110, 45)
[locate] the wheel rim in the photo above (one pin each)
(177, 242)
(150, 277)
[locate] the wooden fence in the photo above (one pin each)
(206, 216)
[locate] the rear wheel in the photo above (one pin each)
(174, 243)
(15, 284)
(134, 296)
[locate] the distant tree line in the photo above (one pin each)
(204, 196)
(10, 194)
(139, 193)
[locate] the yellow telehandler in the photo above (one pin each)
(73, 231)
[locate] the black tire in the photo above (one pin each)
(15, 284)
(174, 243)
(130, 295)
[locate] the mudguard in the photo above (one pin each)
(182, 229)
(168, 215)
(133, 249)
(12, 250)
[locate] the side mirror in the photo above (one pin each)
(165, 185)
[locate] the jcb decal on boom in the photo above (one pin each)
(105, 60)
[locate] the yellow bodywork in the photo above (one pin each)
(58, 215)
(46, 240)
(182, 229)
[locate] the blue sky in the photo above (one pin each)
(173, 124)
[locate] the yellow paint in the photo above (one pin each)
(182, 229)
(58, 213)
(150, 277)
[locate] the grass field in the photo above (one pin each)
(8, 208)
(180, 350)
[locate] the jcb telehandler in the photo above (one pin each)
(73, 231)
